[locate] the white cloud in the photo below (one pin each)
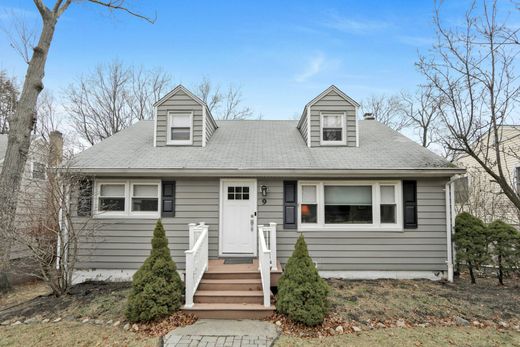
(355, 26)
(314, 66)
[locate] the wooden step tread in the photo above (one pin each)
(231, 280)
(229, 307)
(229, 293)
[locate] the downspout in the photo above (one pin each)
(450, 218)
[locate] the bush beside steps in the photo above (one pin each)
(302, 293)
(157, 288)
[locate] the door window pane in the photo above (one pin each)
(309, 207)
(238, 193)
(348, 204)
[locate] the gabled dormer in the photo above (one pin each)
(330, 119)
(182, 119)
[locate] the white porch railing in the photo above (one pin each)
(270, 240)
(196, 259)
(264, 264)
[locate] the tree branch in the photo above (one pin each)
(118, 5)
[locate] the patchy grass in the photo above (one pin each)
(97, 300)
(423, 301)
(432, 336)
(71, 334)
(22, 293)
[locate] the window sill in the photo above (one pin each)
(358, 227)
(179, 143)
(126, 215)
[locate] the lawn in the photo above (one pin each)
(71, 334)
(431, 336)
(430, 314)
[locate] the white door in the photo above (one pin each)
(238, 217)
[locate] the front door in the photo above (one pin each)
(238, 217)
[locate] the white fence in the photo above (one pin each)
(270, 240)
(196, 259)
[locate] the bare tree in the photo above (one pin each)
(22, 123)
(8, 97)
(387, 110)
(48, 120)
(472, 67)
(209, 94)
(146, 87)
(224, 106)
(45, 230)
(422, 111)
(113, 97)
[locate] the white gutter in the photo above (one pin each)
(283, 172)
(450, 222)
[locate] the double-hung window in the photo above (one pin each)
(38, 170)
(350, 205)
(139, 198)
(180, 128)
(112, 197)
(145, 197)
(333, 129)
(309, 204)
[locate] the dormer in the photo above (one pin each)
(330, 119)
(182, 119)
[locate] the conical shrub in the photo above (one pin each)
(156, 287)
(302, 293)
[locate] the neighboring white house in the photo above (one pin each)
(484, 197)
(34, 178)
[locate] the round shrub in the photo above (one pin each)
(505, 240)
(471, 240)
(302, 293)
(156, 287)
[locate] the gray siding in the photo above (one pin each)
(179, 102)
(332, 102)
(211, 126)
(418, 249)
(125, 243)
(304, 130)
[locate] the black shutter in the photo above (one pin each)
(85, 197)
(168, 199)
(290, 204)
(410, 204)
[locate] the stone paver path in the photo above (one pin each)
(223, 333)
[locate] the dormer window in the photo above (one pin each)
(180, 128)
(333, 129)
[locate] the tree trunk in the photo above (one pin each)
(471, 274)
(19, 140)
(500, 271)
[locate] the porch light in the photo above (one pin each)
(265, 190)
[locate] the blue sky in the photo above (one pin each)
(281, 53)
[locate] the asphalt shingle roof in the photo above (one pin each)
(263, 144)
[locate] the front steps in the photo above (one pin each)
(230, 291)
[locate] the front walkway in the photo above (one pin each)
(223, 333)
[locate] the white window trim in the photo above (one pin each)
(127, 213)
(169, 140)
(376, 207)
(343, 141)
